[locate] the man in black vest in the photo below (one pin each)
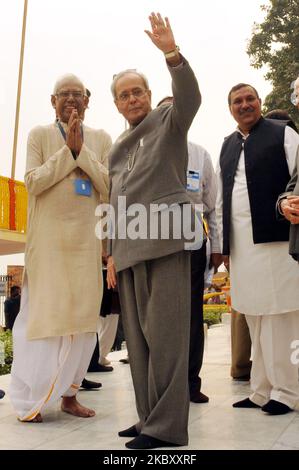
(255, 164)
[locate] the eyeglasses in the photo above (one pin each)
(137, 93)
(77, 95)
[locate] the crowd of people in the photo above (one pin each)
(241, 215)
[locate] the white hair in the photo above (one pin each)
(126, 72)
(68, 78)
(296, 83)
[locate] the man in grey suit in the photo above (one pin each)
(148, 166)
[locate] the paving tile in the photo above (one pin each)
(215, 425)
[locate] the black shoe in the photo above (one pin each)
(89, 385)
(243, 378)
(247, 403)
(147, 442)
(274, 407)
(125, 360)
(198, 397)
(130, 432)
(2, 394)
(100, 368)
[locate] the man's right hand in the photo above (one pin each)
(111, 273)
(290, 209)
(225, 260)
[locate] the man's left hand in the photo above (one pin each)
(161, 35)
(111, 274)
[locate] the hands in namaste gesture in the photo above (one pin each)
(74, 139)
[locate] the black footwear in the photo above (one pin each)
(274, 407)
(247, 403)
(100, 368)
(243, 378)
(2, 394)
(130, 432)
(125, 360)
(198, 397)
(89, 385)
(147, 442)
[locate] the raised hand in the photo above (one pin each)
(161, 35)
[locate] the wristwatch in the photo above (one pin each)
(173, 53)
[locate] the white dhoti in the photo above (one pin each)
(45, 370)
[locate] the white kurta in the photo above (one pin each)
(63, 255)
(62, 287)
(264, 277)
(199, 161)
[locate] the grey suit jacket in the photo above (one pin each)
(159, 146)
(292, 188)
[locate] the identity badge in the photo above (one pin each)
(83, 187)
(193, 181)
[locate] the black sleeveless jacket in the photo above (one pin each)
(267, 175)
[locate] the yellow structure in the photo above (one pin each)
(13, 216)
(210, 295)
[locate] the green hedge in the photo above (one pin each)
(6, 338)
(212, 315)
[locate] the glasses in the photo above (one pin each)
(77, 95)
(137, 93)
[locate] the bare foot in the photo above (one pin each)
(37, 419)
(72, 406)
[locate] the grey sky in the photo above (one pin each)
(95, 39)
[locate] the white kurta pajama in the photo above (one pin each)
(55, 330)
(265, 287)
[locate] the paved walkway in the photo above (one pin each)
(215, 425)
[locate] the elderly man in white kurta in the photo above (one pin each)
(254, 166)
(54, 335)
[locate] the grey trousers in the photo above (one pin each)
(155, 303)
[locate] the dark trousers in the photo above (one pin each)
(198, 265)
(94, 361)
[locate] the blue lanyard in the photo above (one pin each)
(64, 135)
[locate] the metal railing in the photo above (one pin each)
(13, 205)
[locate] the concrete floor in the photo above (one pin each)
(214, 426)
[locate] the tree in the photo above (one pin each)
(275, 44)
